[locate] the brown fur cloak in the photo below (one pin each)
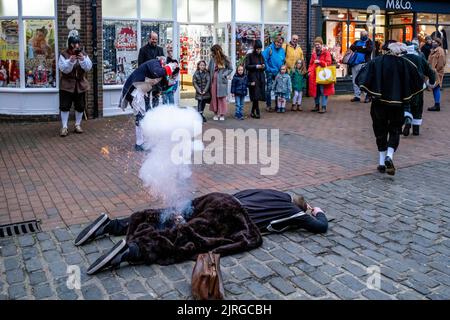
(218, 223)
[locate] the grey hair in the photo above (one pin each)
(397, 48)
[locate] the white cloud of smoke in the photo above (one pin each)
(168, 179)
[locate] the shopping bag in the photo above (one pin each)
(326, 75)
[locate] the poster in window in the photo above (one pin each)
(245, 39)
(40, 66)
(9, 54)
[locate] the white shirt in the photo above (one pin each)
(66, 66)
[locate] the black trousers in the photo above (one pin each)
(417, 106)
(201, 106)
(118, 227)
(255, 107)
(66, 99)
(387, 121)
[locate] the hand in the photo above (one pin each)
(316, 210)
(73, 58)
(80, 56)
(316, 61)
(253, 84)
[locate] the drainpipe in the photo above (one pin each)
(94, 55)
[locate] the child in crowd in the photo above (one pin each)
(169, 96)
(298, 83)
(282, 87)
(239, 91)
(202, 85)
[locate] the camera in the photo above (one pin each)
(77, 51)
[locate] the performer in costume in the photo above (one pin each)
(392, 81)
(217, 222)
(140, 83)
(416, 103)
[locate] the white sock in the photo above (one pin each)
(390, 153)
(139, 136)
(382, 157)
(78, 118)
(64, 118)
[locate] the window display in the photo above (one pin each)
(246, 34)
(195, 43)
(40, 65)
(9, 54)
(163, 29)
(120, 51)
(271, 31)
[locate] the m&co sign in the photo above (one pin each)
(398, 5)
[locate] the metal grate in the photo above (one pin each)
(16, 229)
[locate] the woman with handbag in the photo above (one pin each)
(321, 57)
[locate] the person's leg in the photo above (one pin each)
(80, 104)
(324, 103)
(269, 84)
(380, 130)
(238, 111)
(102, 226)
(65, 103)
(417, 113)
(356, 89)
(139, 146)
(408, 117)
(155, 99)
(294, 100)
(437, 99)
(395, 122)
(300, 100)
(171, 97)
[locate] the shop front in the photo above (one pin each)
(343, 21)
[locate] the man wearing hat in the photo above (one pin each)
(73, 63)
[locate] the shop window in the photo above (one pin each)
(123, 9)
(401, 19)
(164, 30)
(271, 31)
(276, 11)
(120, 51)
(337, 35)
(248, 10)
(246, 34)
(195, 44)
(41, 8)
(9, 54)
(426, 18)
(40, 66)
(224, 10)
(8, 8)
(359, 15)
(444, 19)
(156, 9)
(424, 31)
(334, 14)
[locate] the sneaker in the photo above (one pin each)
(216, 118)
(112, 258)
(381, 169)
(78, 129)
(139, 147)
(390, 169)
(222, 118)
(316, 108)
(94, 230)
(64, 132)
(355, 99)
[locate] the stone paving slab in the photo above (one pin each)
(399, 225)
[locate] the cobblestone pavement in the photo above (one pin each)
(400, 225)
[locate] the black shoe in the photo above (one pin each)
(112, 258)
(406, 129)
(139, 147)
(381, 169)
(416, 130)
(435, 108)
(390, 169)
(203, 118)
(316, 108)
(355, 99)
(94, 230)
(253, 115)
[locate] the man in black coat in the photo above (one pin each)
(217, 222)
(392, 81)
(148, 52)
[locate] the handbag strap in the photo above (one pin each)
(213, 266)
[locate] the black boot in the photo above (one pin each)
(257, 113)
(407, 127)
(316, 108)
(436, 107)
(203, 117)
(95, 230)
(121, 252)
(416, 130)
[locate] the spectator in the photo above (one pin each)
(149, 52)
(362, 54)
(239, 91)
(437, 62)
(282, 87)
(255, 66)
(219, 70)
(426, 48)
(293, 53)
(169, 97)
(202, 85)
(274, 55)
(320, 57)
(298, 84)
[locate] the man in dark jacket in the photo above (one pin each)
(362, 54)
(149, 52)
(255, 66)
(426, 48)
(392, 81)
(415, 105)
(215, 222)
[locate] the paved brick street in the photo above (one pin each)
(400, 224)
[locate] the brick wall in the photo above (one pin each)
(85, 32)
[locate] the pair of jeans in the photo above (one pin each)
(319, 93)
(240, 101)
(269, 86)
(169, 98)
(437, 94)
(355, 71)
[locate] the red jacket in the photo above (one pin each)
(325, 60)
